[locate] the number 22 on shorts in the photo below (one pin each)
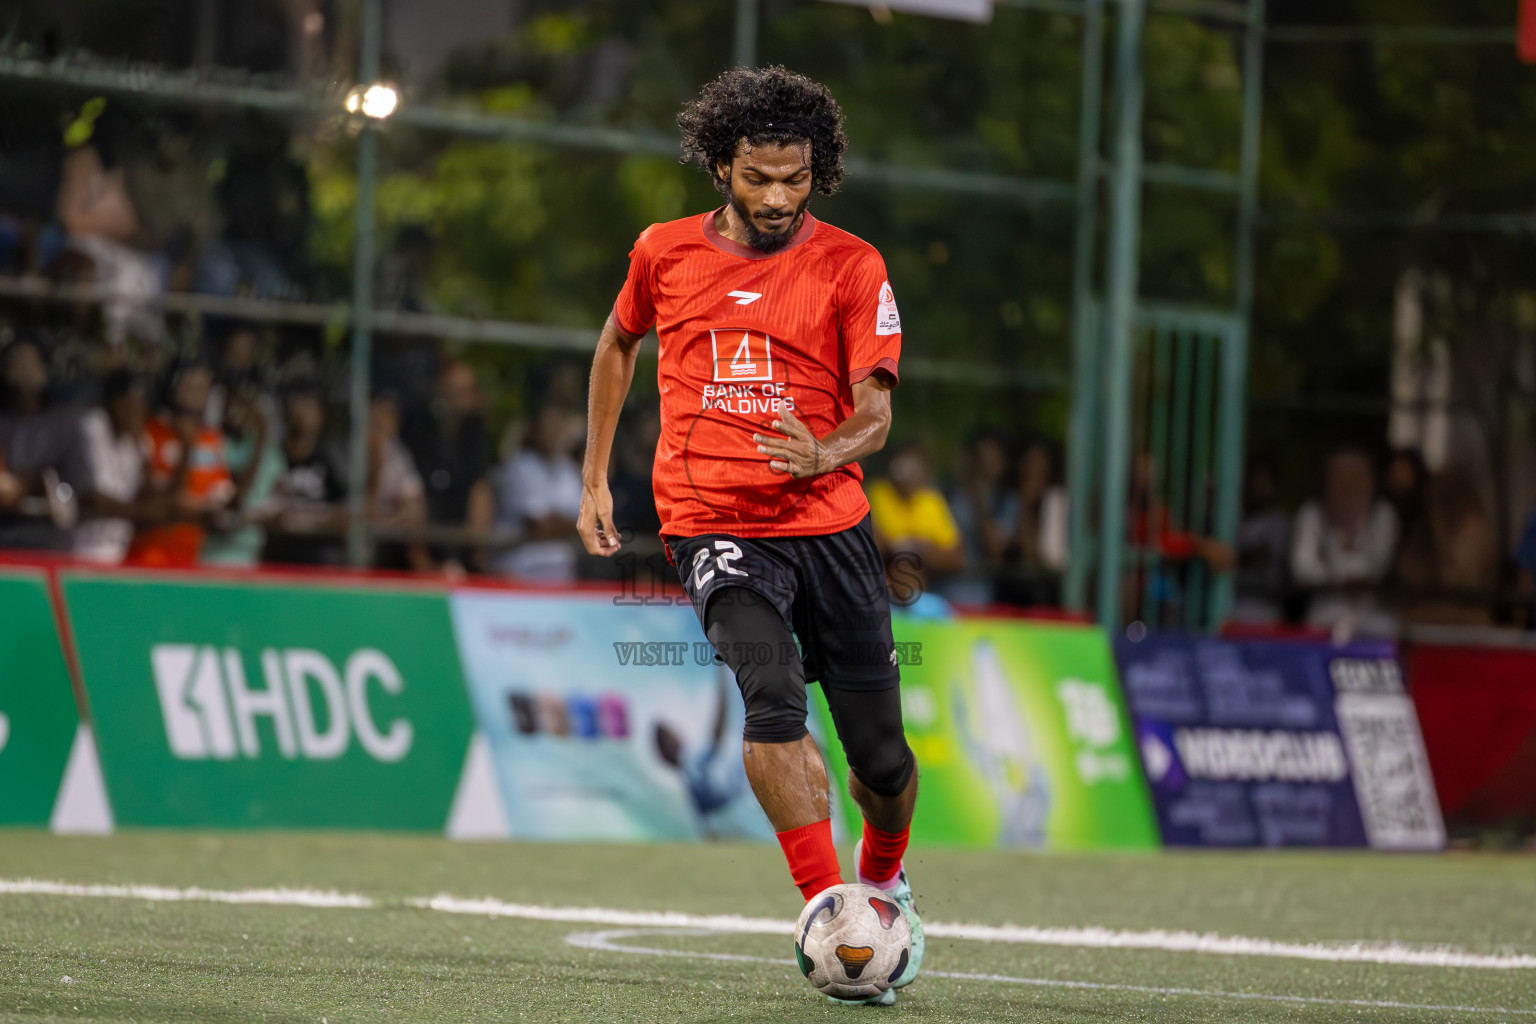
(728, 552)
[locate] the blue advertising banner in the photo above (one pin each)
(605, 722)
(1279, 743)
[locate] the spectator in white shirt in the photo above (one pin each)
(396, 495)
(1343, 548)
(538, 495)
(114, 449)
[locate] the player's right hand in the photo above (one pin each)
(595, 521)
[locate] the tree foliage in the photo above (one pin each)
(534, 234)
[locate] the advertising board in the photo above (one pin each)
(1279, 743)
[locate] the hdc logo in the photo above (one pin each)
(210, 709)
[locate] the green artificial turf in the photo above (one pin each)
(132, 960)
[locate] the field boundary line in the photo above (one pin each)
(1155, 940)
(604, 942)
(278, 897)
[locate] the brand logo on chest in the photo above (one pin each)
(741, 354)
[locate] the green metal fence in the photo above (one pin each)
(1121, 339)
(1182, 437)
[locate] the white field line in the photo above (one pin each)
(604, 942)
(600, 915)
(1082, 938)
(1234, 945)
(165, 894)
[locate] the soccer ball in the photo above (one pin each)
(852, 941)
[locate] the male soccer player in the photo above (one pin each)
(779, 341)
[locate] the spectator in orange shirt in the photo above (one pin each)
(188, 474)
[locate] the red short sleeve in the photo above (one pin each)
(635, 310)
(871, 326)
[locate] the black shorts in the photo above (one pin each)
(829, 589)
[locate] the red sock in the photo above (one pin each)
(812, 857)
(880, 854)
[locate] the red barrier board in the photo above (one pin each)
(1477, 711)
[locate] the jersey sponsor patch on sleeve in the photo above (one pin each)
(887, 320)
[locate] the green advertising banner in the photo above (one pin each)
(37, 704)
(271, 704)
(1021, 735)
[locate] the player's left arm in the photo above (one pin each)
(802, 454)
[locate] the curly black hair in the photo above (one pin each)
(764, 105)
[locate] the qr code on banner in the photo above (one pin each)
(1391, 771)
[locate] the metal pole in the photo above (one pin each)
(1120, 304)
(1181, 490)
(745, 53)
(362, 299)
(1234, 364)
(1085, 322)
(1206, 466)
(1159, 393)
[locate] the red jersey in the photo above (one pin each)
(745, 334)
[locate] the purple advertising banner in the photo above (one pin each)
(1279, 743)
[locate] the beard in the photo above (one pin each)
(767, 241)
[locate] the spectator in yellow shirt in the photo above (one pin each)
(913, 525)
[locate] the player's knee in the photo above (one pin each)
(754, 642)
(772, 721)
(883, 768)
(775, 701)
(869, 725)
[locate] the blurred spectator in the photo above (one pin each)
(1151, 527)
(1405, 483)
(985, 511)
(396, 496)
(406, 366)
(1524, 557)
(238, 372)
(11, 487)
(167, 181)
(1055, 525)
(310, 490)
(1343, 548)
(114, 446)
(1151, 530)
(188, 472)
(95, 209)
(634, 501)
(1035, 554)
(451, 447)
(913, 524)
(562, 383)
(255, 464)
(264, 251)
(1263, 550)
(1448, 568)
(31, 162)
(43, 455)
(405, 270)
(93, 199)
(538, 495)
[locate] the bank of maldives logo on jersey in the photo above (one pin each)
(887, 320)
(742, 354)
